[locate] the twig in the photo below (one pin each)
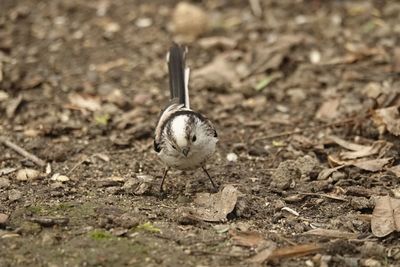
(309, 128)
(22, 152)
(323, 195)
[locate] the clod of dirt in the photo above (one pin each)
(29, 228)
(216, 207)
(386, 216)
(371, 249)
(285, 174)
(14, 195)
(27, 175)
(139, 186)
(361, 203)
(189, 21)
(4, 183)
(308, 166)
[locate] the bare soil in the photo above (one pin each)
(60, 59)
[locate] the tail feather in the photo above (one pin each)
(178, 75)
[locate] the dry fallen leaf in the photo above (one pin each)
(372, 165)
(215, 207)
(270, 253)
(247, 238)
(85, 102)
(386, 216)
(395, 170)
(217, 73)
(331, 233)
(388, 118)
(361, 151)
(328, 110)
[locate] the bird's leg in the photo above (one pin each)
(209, 177)
(164, 176)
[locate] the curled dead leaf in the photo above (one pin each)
(388, 118)
(386, 216)
(216, 207)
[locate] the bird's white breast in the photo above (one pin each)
(178, 126)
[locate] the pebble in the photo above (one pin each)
(144, 22)
(4, 183)
(3, 219)
(231, 157)
(14, 195)
(27, 175)
(59, 178)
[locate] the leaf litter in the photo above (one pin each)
(386, 216)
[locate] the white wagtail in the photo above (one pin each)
(184, 139)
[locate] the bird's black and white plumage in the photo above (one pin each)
(184, 139)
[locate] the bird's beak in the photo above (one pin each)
(185, 151)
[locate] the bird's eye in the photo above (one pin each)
(194, 138)
(174, 147)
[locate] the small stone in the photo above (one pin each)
(59, 178)
(4, 183)
(144, 22)
(27, 175)
(14, 195)
(231, 157)
(189, 21)
(3, 219)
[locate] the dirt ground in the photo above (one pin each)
(81, 86)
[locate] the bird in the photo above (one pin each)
(184, 139)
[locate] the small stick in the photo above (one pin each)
(22, 152)
(309, 128)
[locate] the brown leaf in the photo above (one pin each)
(264, 254)
(328, 110)
(247, 238)
(346, 144)
(215, 207)
(372, 165)
(375, 148)
(85, 102)
(217, 73)
(389, 118)
(295, 251)
(386, 216)
(395, 170)
(331, 233)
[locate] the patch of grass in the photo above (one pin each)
(100, 235)
(148, 227)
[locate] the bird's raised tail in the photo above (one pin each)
(178, 74)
